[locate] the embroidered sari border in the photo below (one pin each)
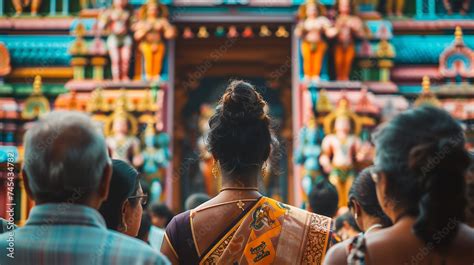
(171, 246)
(231, 231)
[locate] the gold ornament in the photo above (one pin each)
(36, 104)
(97, 101)
(264, 170)
(216, 172)
(121, 112)
(343, 110)
(202, 33)
(427, 97)
(264, 31)
(282, 32)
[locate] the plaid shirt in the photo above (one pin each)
(72, 234)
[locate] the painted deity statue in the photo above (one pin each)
(123, 145)
(312, 30)
(116, 21)
(347, 28)
(19, 5)
(455, 5)
(150, 32)
(340, 152)
(395, 7)
(155, 157)
(308, 152)
(121, 138)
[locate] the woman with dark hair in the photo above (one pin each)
(123, 209)
(239, 225)
(418, 172)
(364, 205)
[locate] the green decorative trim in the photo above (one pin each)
(24, 90)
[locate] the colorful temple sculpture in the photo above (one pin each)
(149, 72)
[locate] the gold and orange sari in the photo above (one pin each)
(273, 233)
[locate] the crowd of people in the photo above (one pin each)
(408, 208)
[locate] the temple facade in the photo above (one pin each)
(150, 72)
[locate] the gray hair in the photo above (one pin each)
(65, 154)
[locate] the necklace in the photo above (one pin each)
(372, 228)
(240, 203)
(238, 188)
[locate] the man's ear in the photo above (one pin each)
(27, 184)
(104, 185)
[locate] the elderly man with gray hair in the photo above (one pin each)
(67, 172)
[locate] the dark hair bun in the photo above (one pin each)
(241, 103)
(240, 136)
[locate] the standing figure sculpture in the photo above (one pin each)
(340, 150)
(395, 6)
(312, 31)
(116, 21)
(156, 157)
(462, 6)
(121, 128)
(307, 154)
(151, 30)
(20, 4)
(347, 28)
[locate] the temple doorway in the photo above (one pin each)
(201, 76)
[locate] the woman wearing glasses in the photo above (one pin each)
(419, 174)
(123, 208)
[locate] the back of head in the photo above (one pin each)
(194, 200)
(363, 191)
(162, 212)
(421, 152)
(123, 184)
(323, 199)
(65, 158)
(240, 135)
(346, 218)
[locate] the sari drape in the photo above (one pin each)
(273, 233)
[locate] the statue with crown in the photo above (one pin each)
(150, 31)
(341, 147)
(313, 28)
(120, 130)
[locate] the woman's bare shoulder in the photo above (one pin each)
(337, 254)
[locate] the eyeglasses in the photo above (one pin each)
(143, 198)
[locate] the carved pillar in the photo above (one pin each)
(78, 65)
(385, 66)
(98, 64)
(365, 65)
(52, 8)
(65, 7)
(426, 8)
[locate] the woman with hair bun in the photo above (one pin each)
(419, 174)
(239, 225)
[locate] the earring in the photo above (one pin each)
(123, 227)
(215, 169)
(264, 170)
(355, 216)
